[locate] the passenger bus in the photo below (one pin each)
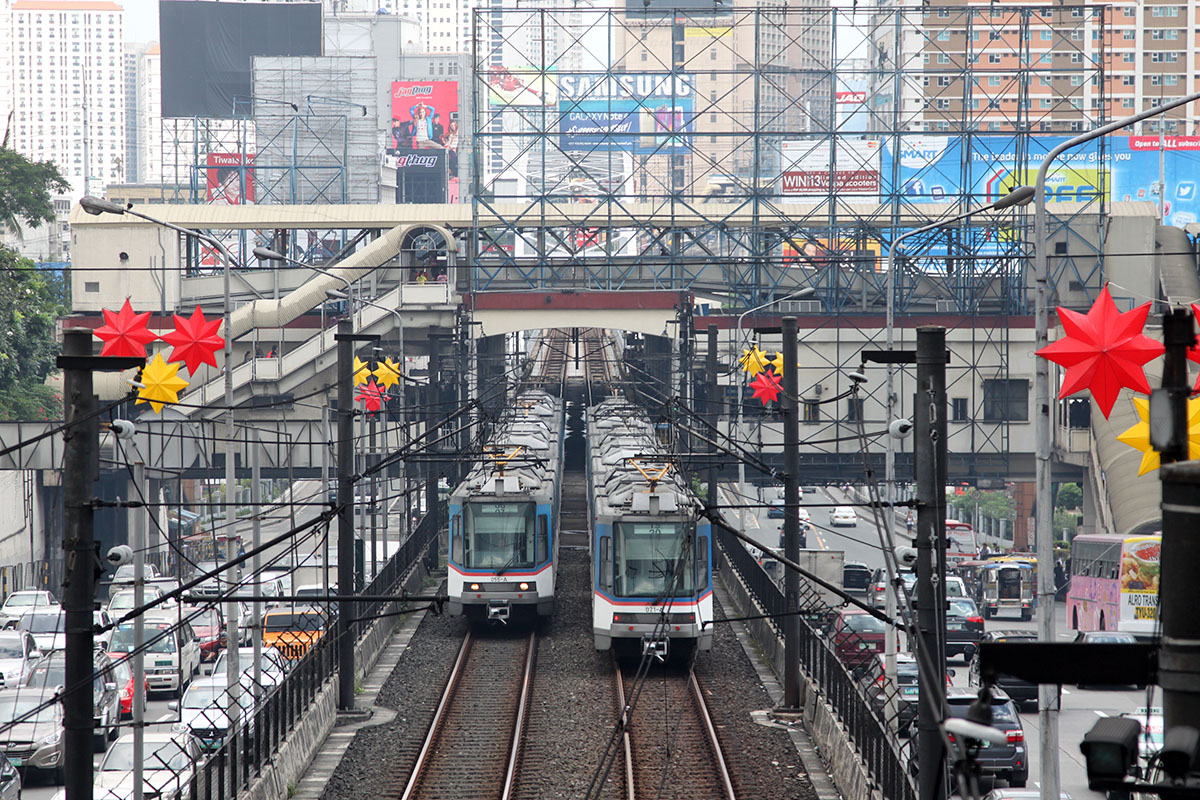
(1114, 583)
(960, 542)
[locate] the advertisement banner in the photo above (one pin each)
(934, 169)
(653, 125)
(424, 115)
(807, 173)
(522, 86)
(1139, 580)
(421, 176)
(228, 183)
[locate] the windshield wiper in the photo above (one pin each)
(510, 563)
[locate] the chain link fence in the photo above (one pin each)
(842, 656)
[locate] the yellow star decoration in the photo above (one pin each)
(753, 360)
(362, 371)
(1138, 437)
(161, 384)
(777, 363)
(387, 373)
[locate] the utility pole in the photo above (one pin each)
(789, 403)
(137, 541)
(370, 460)
(712, 396)
(929, 429)
(347, 608)
(256, 614)
(81, 458)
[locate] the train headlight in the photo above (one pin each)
(474, 587)
(524, 587)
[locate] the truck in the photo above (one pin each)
(825, 564)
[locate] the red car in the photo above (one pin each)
(210, 632)
(857, 637)
(122, 676)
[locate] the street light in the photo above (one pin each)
(1044, 522)
(267, 254)
(807, 291)
(97, 206)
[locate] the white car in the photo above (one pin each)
(203, 711)
(48, 627)
(167, 768)
(18, 603)
(18, 651)
(843, 516)
(273, 667)
(122, 601)
(172, 656)
(805, 519)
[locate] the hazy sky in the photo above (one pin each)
(141, 20)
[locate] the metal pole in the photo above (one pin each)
(1044, 522)
(1178, 673)
(256, 613)
(345, 463)
(325, 477)
(137, 540)
(374, 498)
(714, 415)
(1178, 336)
(80, 459)
(791, 520)
(929, 412)
(233, 672)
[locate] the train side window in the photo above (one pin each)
(456, 539)
(701, 564)
(543, 539)
(606, 564)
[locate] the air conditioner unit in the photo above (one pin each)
(945, 306)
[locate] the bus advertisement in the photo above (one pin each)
(1114, 583)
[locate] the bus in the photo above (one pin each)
(960, 542)
(1114, 583)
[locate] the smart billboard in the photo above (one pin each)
(640, 113)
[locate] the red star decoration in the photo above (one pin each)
(766, 386)
(125, 333)
(195, 340)
(371, 396)
(1103, 351)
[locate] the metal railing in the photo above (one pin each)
(862, 716)
(256, 740)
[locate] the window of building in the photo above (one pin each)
(943, 36)
(993, 58)
(1006, 399)
(958, 409)
(943, 58)
(1044, 102)
(993, 80)
(854, 409)
(1044, 35)
(812, 411)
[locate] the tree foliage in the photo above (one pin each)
(993, 505)
(26, 188)
(31, 301)
(1069, 498)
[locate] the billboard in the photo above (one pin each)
(522, 86)
(208, 48)
(424, 115)
(642, 113)
(806, 167)
(228, 182)
(421, 176)
(932, 169)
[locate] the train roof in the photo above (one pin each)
(523, 451)
(631, 472)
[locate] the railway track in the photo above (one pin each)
(670, 746)
(473, 746)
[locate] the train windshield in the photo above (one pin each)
(648, 563)
(499, 536)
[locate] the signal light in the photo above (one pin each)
(474, 587)
(523, 587)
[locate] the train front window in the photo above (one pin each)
(499, 536)
(648, 556)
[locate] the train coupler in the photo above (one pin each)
(656, 646)
(498, 611)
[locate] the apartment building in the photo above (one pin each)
(68, 87)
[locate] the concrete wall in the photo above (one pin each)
(296, 753)
(836, 749)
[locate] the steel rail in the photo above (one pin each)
(519, 727)
(630, 792)
(438, 716)
(718, 754)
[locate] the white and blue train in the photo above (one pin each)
(504, 517)
(651, 548)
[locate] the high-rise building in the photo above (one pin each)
(68, 87)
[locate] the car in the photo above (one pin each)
(18, 652)
(1151, 741)
(1020, 794)
(776, 510)
(877, 592)
(843, 516)
(50, 672)
(103, 622)
(46, 625)
(1008, 761)
(208, 623)
(801, 535)
(121, 602)
(35, 744)
(1104, 637)
(167, 767)
(964, 628)
(856, 576)
(122, 676)
(908, 689)
(10, 780)
(18, 603)
(172, 652)
(203, 711)
(273, 667)
(311, 590)
(1021, 691)
(857, 637)
(126, 573)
